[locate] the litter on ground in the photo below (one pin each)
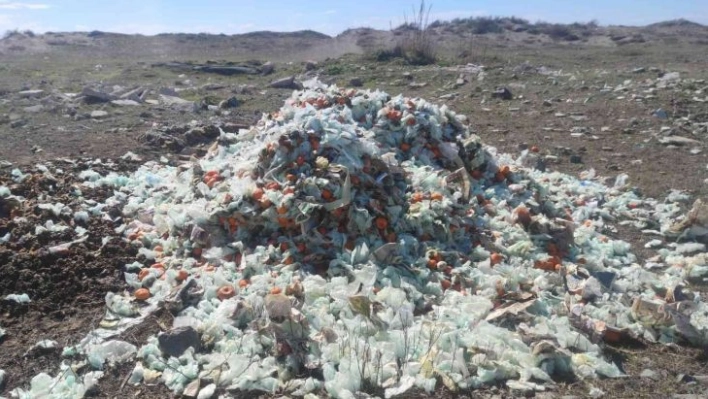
(360, 240)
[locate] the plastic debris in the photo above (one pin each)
(112, 351)
(375, 239)
(18, 298)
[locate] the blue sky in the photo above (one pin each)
(330, 17)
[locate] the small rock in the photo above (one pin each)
(460, 82)
(168, 91)
(98, 114)
(134, 94)
(231, 102)
(596, 392)
(646, 373)
(677, 140)
(310, 65)
(547, 103)
(192, 389)
(503, 93)
(17, 123)
(123, 103)
(576, 159)
(356, 82)
(695, 151)
(177, 340)
(30, 93)
(639, 70)
(286, 83)
(96, 95)
(34, 109)
(417, 85)
(267, 68)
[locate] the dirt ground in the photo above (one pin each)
(618, 134)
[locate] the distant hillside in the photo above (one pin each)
(447, 36)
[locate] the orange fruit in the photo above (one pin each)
(381, 223)
(225, 292)
(496, 258)
(142, 294)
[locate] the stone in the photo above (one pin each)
(677, 140)
(17, 123)
(356, 82)
(133, 94)
(267, 68)
(286, 83)
(231, 102)
(96, 95)
(34, 109)
(417, 85)
(502, 93)
(123, 103)
(310, 65)
(576, 159)
(31, 93)
(175, 341)
(98, 114)
(192, 389)
(651, 374)
(167, 91)
(176, 102)
(639, 70)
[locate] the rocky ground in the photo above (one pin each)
(638, 108)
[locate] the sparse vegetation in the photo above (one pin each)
(416, 46)
(17, 33)
(487, 25)
(335, 69)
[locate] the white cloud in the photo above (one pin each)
(11, 5)
(11, 22)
